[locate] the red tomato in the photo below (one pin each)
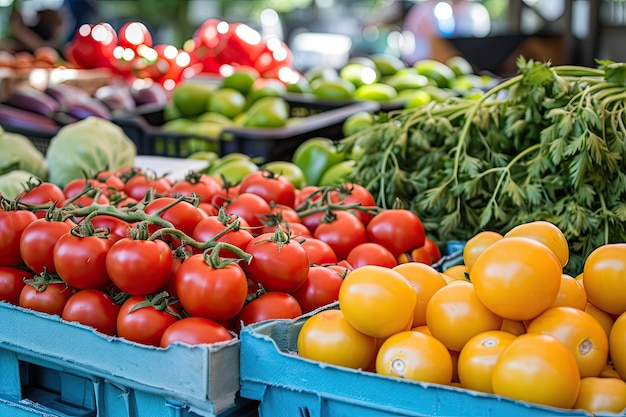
(47, 298)
(280, 214)
(145, 319)
(357, 194)
(319, 251)
(81, 261)
(342, 233)
(37, 244)
(251, 207)
(93, 308)
(208, 228)
(184, 216)
(311, 221)
(320, 288)
(270, 306)
(399, 230)
(428, 253)
(111, 181)
(116, 227)
(279, 263)
(78, 185)
(370, 253)
(12, 282)
(203, 186)
(305, 193)
(195, 331)
(138, 185)
(12, 225)
(271, 187)
(211, 291)
(139, 267)
(45, 193)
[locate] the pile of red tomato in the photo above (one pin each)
(156, 261)
(131, 53)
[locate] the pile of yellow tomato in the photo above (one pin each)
(508, 321)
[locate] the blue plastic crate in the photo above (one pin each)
(52, 367)
(291, 386)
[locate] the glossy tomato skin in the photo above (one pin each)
(342, 233)
(328, 337)
(251, 207)
(12, 283)
(183, 215)
(12, 225)
(144, 325)
(37, 244)
(415, 356)
(194, 331)
(116, 227)
(604, 276)
(617, 345)
(81, 261)
(601, 395)
(319, 251)
(370, 253)
(269, 306)
(357, 194)
(76, 186)
(320, 288)
(139, 267)
(399, 230)
(94, 308)
(50, 298)
(45, 193)
(539, 369)
(209, 227)
(137, 186)
(279, 263)
(425, 281)
(272, 188)
(204, 186)
(216, 293)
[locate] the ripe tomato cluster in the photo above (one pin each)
(158, 261)
(507, 321)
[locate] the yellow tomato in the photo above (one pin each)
(425, 281)
(582, 334)
(599, 395)
(455, 314)
(377, 301)
(478, 358)
(476, 245)
(539, 369)
(514, 327)
(617, 345)
(328, 337)
(604, 277)
(605, 319)
(571, 293)
(517, 278)
(456, 272)
(415, 356)
(546, 233)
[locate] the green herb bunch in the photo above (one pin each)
(546, 144)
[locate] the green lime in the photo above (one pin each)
(267, 87)
(178, 125)
(387, 64)
(210, 129)
(339, 89)
(321, 73)
(418, 98)
(301, 86)
(359, 74)
(376, 92)
(233, 171)
(241, 80)
(214, 117)
(191, 97)
(171, 112)
(227, 101)
(362, 60)
(406, 81)
(437, 71)
(356, 122)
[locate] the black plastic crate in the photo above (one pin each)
(319, 118)
(40, 137)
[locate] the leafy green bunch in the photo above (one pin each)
(546, 144)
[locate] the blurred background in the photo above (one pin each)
(489, 33)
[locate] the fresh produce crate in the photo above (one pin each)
(52, 367)
(288, 385)
(319, 119)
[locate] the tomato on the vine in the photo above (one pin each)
(251, 207)
(209, 287)
(138, 185)
(319, 251)
(203, 186)
(211, 226)
(116, 227)
(320, 288)
(352, 193)
(183, 215)
(47, 298)
(144, 319)
(129, 260)
(370, 253)
(92, 307)
(12, 283)
(269, 306)
(273, 188)
(399, 230)
(194, 331)
(342, 231)
(37, 244)
(279, 262)
(12, 225)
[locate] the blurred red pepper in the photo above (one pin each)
(92, 46)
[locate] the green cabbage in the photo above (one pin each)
(14, 182)
(18, 152)
(87, 147)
